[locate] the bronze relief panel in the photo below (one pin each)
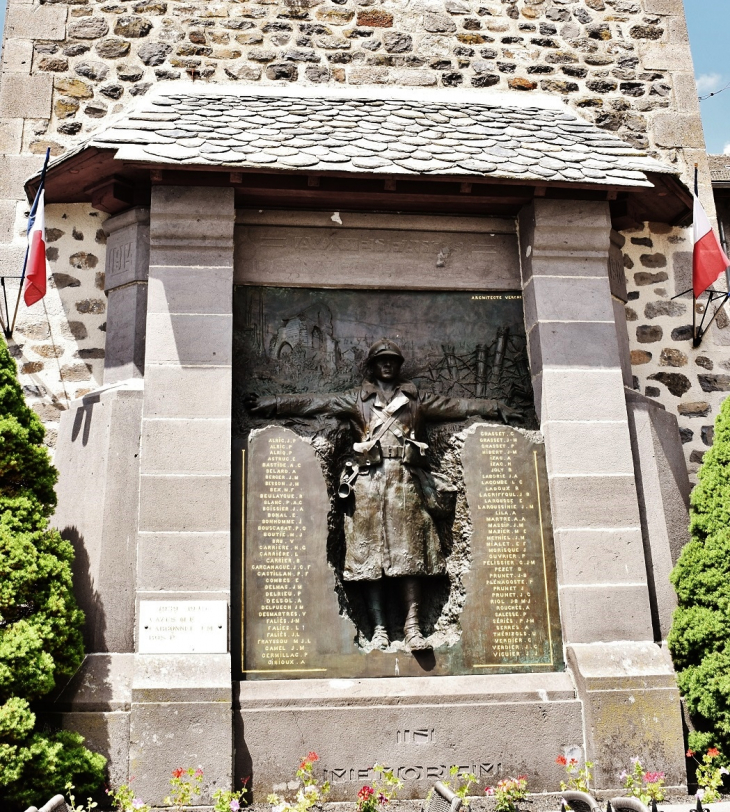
(390, 523)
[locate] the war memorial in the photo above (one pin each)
(374, 414)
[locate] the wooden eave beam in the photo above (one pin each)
(94, 175)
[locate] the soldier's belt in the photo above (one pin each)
(394, 452)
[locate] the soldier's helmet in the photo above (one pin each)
(383, 347)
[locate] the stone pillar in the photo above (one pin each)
(127, 266)
(181, 702)
(626, 683)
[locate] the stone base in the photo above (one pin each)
(96, 703)
(494, 726)
(632, 708)
(181, 717)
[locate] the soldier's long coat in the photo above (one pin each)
(389, 531)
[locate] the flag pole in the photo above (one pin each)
(2, 320)
(9, 332)
(695, 336)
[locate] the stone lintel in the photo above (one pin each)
(315, 693)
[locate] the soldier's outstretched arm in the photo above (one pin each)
(437, 407)
(304, 405)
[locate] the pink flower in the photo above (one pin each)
(234, 805)
(489, 790)
(137, 803)
(198, 773)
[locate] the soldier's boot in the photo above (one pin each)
(413, 637)
(380, 639)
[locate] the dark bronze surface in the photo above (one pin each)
(291, 611)
(308, 611)
(510, 617)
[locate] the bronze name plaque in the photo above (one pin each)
(511, 612)
(289, 587)
(394, 523)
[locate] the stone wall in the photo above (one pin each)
(625, 64)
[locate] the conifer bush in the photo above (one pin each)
(40, 623)
(700, 637)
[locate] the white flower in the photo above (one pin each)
(700, 794)
(281, 808)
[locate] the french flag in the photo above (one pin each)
(708, 260)
(37, 267)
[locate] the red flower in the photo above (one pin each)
(562, 760)
(573, 763)
(178, 773)
(312, 756)
(712, 752)
(365, 793)
(690, 753)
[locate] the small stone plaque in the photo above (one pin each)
(183, 627)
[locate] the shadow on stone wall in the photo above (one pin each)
(88, 598)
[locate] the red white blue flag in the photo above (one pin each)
(37, 268)
(708, 260)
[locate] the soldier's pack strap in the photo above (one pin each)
(368, 445)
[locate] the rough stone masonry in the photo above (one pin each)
(624, 64)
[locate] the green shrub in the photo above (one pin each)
(700, 635)
(40, 623)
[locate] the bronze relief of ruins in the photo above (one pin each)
(368, 410)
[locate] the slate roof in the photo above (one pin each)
(720, 167)
(535, 141)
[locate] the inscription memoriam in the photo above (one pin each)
(510, 616)
(183, 627)
(412, 772)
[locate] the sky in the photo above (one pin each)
(709, 31)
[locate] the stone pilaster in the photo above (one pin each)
(575, 357)
(127, 267)
(181, 703)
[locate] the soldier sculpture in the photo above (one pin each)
(390, 535)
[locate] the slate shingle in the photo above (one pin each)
(385, 136)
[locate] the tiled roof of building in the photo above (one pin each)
(720, 167)
(487, 135)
